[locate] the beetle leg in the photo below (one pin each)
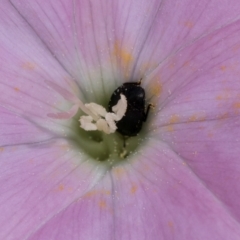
(124, 141)
(140, 81)
(124, 152)
(150, 105)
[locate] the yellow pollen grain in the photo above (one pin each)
(123, 54)
(186, 64)
(102, 204)
(192, 118)
(171, 225)
(219, 97)
(236, 105)
(90, 194)
(29, 66)
(172, 65)
(210, 134)
(95, 192)
(31, 161)
(223, 68)
(144, 167)
(188, 24)
(105, 192)
(224, 116)
(61, 187)
(202, 118)
(224, 95)
(170, 128)
(236, 47)
(133, 189)
(16, 89)
(119, 172)
(156, 88)
(174, 119)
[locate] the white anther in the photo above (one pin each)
(103, 126)
(86, 123)
(110, 117)
(107, 120)
(97, 109)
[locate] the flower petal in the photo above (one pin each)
(16, 130)
(24, 70)
(154, 197)
(104, 43)
(38, 181)
(80, 34)
(151, 31)
(200, 116)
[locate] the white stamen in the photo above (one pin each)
(86, 123)
(110, 117)
(97, 109)
(65, 115)
(107, 122)
(103, 126)
(98, 118)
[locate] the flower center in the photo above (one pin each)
(96, 135)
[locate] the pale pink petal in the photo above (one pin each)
(25, 65)
(157, 29)
(112, 41)
(92, 217)
(81, 36)
(39, 181)
(17, 130)
(199, 111)
(154, 197)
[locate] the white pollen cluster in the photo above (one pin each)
(97, 117)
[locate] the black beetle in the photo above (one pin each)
(131, 123)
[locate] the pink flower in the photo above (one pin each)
(180, 178)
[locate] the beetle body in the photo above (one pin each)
(131, 122)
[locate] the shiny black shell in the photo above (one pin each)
(131, 123)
